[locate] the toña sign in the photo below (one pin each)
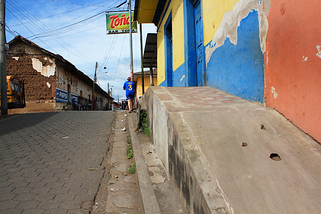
(119, 23)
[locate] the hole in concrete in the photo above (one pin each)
(262, 127)
(244, 144)
(275, 157)
(150, 173)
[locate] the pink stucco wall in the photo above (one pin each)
(293, 63)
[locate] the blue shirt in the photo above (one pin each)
(129, 86)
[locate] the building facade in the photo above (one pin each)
(149, 80)
(260, 50)
(51, 82)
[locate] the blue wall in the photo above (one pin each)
(239, 69)
(177, 77)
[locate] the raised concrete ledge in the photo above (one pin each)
(189, 169)
(185, 163)
(149, 200)
(218, 151)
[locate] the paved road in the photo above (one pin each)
(51, 162)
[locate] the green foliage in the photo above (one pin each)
(130, 152)
(132, 169)
(128, 139)
(144, 123)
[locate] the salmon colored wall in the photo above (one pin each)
(293, 63)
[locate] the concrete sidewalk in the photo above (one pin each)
(156, 190)
(228, 155)
(148, 190)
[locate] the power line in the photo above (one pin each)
(57, 29)
(73, 26)
(52, 16)
(73, 10)
(26, 27)
(38, 24)
(31, 23)
(109, 51)
(87, 5)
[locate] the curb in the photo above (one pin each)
(149, 200)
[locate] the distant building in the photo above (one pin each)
(149, 80)
(51, 82)
(150, 62)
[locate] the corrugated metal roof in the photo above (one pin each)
(150, 52)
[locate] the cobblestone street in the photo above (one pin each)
(51, 162)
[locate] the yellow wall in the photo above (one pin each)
(160, 57)
(176, 7)
(146, 84)
(213, 12)
(178, 33)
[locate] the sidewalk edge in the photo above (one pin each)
(149, 200)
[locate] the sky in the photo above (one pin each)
(76, 30)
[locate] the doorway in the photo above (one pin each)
(199, 46)
(169, 51)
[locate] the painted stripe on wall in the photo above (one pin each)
(176, 7)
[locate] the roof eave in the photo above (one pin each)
(148, 11)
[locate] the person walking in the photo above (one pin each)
(130, 93)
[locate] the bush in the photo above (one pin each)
(130, 152)
(132, 169)
(144, 122)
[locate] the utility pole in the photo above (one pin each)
(141, 55)
(131, 40)
(95, 79)
(3, 71)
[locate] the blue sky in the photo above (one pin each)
(76, 30)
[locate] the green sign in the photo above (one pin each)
(119, 23)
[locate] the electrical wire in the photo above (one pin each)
(87, 5)
(73, 26)
(51, 16)
(109, 51)
(58, 31)
(120, 56)
(55, 33)
(39, 25)
(27, 27)
(78, 32)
